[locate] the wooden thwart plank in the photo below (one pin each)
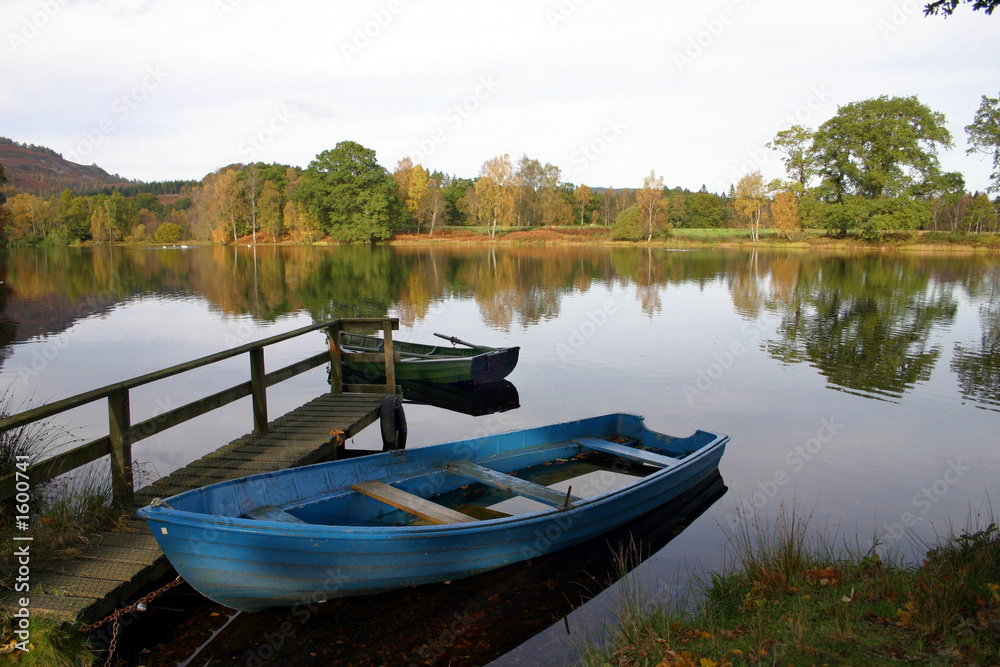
(521, 487)
(272, 513)
(410, 503)
(627, 452)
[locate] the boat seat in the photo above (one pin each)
(521, 487)
(425, 509)
(272, 513)
(627, 452)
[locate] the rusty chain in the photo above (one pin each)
(124, 610)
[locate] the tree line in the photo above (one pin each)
(873, 170)
(869, 171)
(344, 195)
(44, 150)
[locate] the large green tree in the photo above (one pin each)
(628, 225)
(800, 160)
(882, 147)
(705, 209)
(984, 136)
(456, 192)
(73, 218)
(352, 196)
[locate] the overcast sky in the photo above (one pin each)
(606, 91)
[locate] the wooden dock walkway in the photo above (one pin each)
(118, 564)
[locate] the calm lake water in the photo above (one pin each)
(862, 388)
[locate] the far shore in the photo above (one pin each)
(685, 239)
(678, 239)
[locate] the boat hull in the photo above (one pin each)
(249, 564)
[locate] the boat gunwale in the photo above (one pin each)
(430, 350)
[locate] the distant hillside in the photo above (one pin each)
(41, 171)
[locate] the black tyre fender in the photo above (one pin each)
(393, 423)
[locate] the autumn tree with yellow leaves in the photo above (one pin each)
(495, 201)
(751, 196)
(652, 205)
(785, 213)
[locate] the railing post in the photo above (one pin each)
(390, 364)
(119, 422)
(259, 390)
(336, 370)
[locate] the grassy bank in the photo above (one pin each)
(53, 644)
(790, 601)
(698, 237)
(57, 515)
(59, 512)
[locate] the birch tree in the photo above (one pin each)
(582, 197)
(433, 203)
(495, 200)
(652, 205)
(527, 181)
(270, 203)
(416, 194)
(749, 199)
(251, 191)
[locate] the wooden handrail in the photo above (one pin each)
(50, 409)
(122, 433)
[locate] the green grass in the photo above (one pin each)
(716, 233)
(52, 644)
(695, 237)
(974, 239)
(787, 600)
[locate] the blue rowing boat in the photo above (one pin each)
(401, 518)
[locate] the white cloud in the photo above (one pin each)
(701, 86)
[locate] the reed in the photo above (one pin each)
(958, 584)
(789, 597)
(30, 443)
(61, 512)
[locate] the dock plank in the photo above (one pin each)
(60, 584)
(61, 607)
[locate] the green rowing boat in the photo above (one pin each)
(468, 364)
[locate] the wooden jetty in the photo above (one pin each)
(117, 564)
